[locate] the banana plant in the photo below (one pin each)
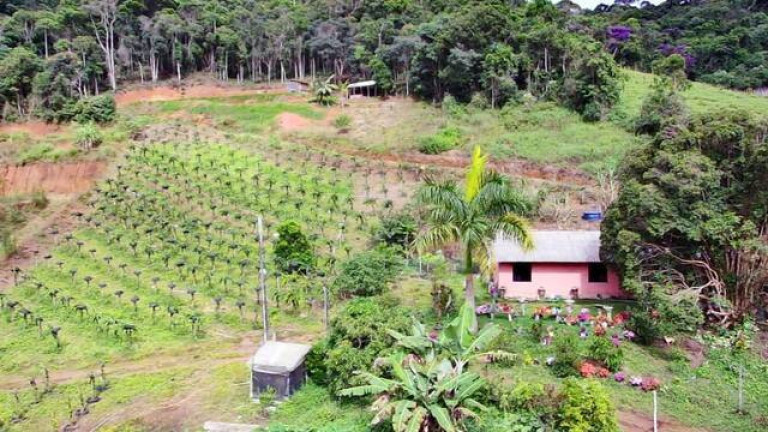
(457, 340)
(427, 394)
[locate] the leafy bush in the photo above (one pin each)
(479, 101)
(660, 108)
(88, 136)
(293, 251)
(586, 407)
(35, 153)
(507, 93)
(44, 152)
(604, 351)
(99, 109)
(533, 115)
(567, 356)
(342, 122)
(525, 396)
(446, 139)
(39, 199)
(397, 230)
(495, 421)
(658, 316)
(451, 107)
(368, 273)
(358, 335)
(8, 244)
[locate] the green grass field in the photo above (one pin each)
(700, 97)
(245, 114)
(543, 133)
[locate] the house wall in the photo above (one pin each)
(558, 279)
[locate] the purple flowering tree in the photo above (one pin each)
(617, 35)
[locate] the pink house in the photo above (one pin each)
(562, 264)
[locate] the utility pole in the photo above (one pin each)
(655, 412)
(741, 389)
(263, 282)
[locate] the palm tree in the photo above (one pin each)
(473, 217)
(55, 330)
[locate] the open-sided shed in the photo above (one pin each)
(278, 365)
(362, 88)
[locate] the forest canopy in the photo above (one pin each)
(689, 225)
(724, 42)
(53, 52)
(497, 49)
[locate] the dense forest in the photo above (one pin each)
(724, 42)
(54, 52)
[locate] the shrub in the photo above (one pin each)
(567, 356)
(479, 101)
(658, 316)
(315, 361)
(368, 273)
(39, 199)
(507, 93)
(452, 107)
(364, 322)
(537, 331)
(266, 399)
(99, 109)
(495, 421)
(446, 139)
(342, 122)
(8, 245)
(535, 115)
(293, 251)
(586, 407)
(397, 230)
(35, 153)
(88, 136)
(605, 352)
(358, 335)
(525, 396)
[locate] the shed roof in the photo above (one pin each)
(552, 246)
(279, 357)
(362, 84)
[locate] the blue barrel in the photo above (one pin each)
(592, 216)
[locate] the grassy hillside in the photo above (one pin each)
(541, 132)
(700, 97)
(161, 269)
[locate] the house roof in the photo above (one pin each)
(362, 84)
(553, 247)
(279, 357)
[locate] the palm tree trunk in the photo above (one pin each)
(469, 283)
